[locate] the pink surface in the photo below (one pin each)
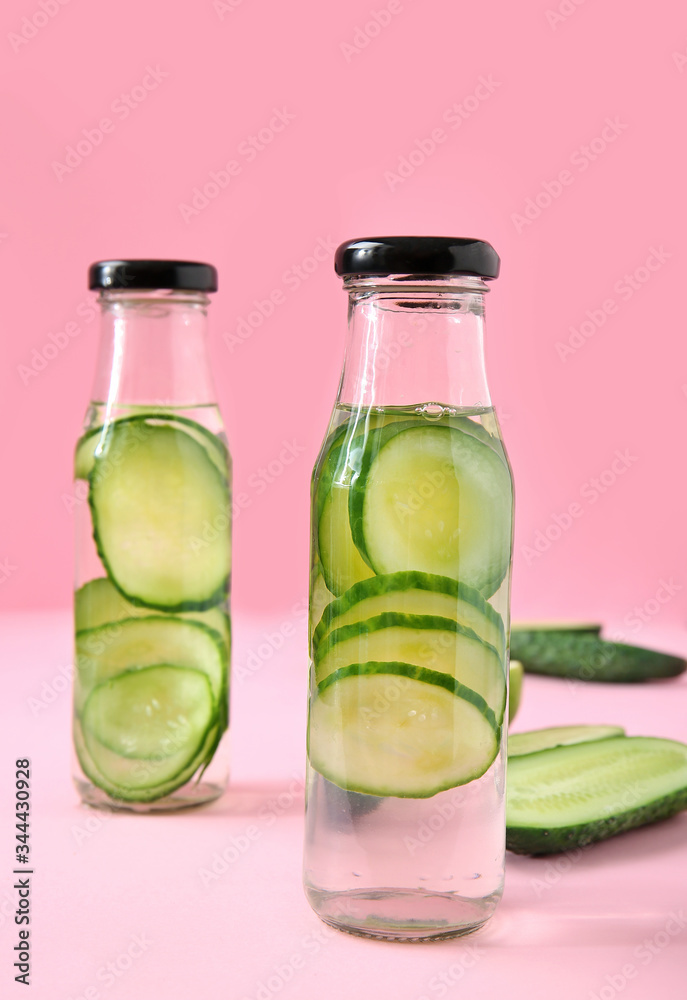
(152, 895)
(554, 132)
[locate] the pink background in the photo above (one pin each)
(358, 97)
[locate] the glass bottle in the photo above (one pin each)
(412, 512)
(153, 477)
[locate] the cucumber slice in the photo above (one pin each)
(588, 628)
(342, 564)
(558, 736)
(396, 729)
(515, 677)
(438, 644)
(87, 445)
(419, 594)
(102, 653)
(129, 779)
(575, 795)
(154, 495)
(99, 602)
(151, 714)
(435, 499)
(589, 658)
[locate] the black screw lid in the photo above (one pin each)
(184, 275)
(427, 255)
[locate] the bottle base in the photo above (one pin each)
(187, 797)
(402, 914)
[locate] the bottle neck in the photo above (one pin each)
(414, 341)
(153, 349)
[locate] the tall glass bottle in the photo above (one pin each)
(153, 474)
(412, 512)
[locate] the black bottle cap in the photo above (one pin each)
(184, 275)
(418, 255)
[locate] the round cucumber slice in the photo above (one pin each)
(87, 446)
(342, 564)
(394, 729)
(161, 520)
(99, 602)
(418, 594)
(438, 644)
(558, 736)
(435, 499)
(132, 780)
(515, 677)
(102, 653)
(151, 714)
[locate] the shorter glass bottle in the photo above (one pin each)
(412, 514)
(153, 554)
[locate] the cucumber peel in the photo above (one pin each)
(589, 658)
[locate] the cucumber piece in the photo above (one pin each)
(129, 779)
(435, 499)
(154, 493)
(102, 653)
(588, 628)
(320, 596)
(589, 658)
(87, 445)
(395, 729)
(99, 602)
(515, 676)
(575, 795)
(342, 564)
(535, 740)
(440, 645)
(151, 714)
(419, 594)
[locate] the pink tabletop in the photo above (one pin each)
(128, 907)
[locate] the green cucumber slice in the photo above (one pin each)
(395, 729)
(99, 602)
(102, 653)
(589, 658)
(342, 564)
(515, 678)
(419, 594)
(438, 644)
(435, 499)
(130, 779)
(588, 628)
(535, 740)
(575, 795)
(87, 445)
(155, 496)
(151, 714)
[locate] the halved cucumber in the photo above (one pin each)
(151, 714)
(161, 520)
(87, 445)
(419, 594)
(99, 602)
(435, 499)
(575, 795)
(398, 729)
(437, 644)
(558, 736)
(102, 653)
(587, 657)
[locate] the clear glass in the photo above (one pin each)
(151, 681)
(405, 835)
